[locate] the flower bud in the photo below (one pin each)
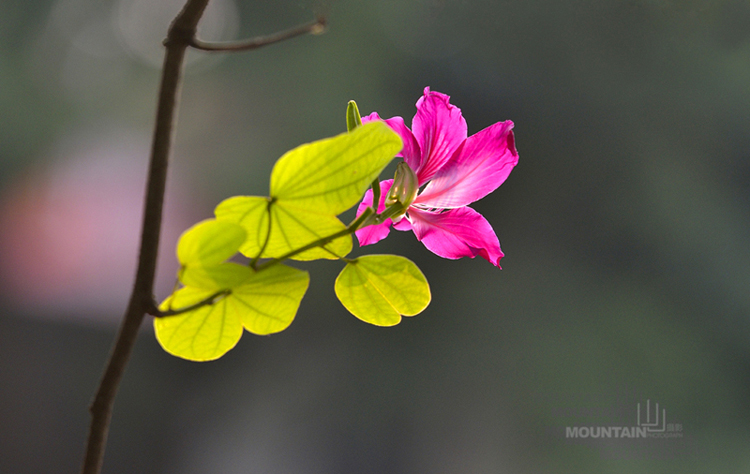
(353, 119)
(404, 188)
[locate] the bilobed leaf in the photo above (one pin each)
(310, 185)
(209, 242)
(329, 176)
(206, 333)
(215, 277)
(269, 300)
(264, 303)
(291, 228)
(379, 289)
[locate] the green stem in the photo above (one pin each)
(254, 262)
(174, 312)
(350, 229)
(393, 210)
(375, 195)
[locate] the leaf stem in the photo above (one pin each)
(392, 210)
(320, 242)
(254, 261)
(205, 302)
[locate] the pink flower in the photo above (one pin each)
(456, 171)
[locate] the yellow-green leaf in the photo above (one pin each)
(330, 176)
(291, 228)
(379, 289)
(269, 300)
(251, 212)
(209, 242)
(265, 303)
(206, 333)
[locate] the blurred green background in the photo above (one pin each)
(625, 227)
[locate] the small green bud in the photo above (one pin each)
(353, 119)
(405, 187)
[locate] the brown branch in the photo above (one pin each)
(314, 27)
(180, 33)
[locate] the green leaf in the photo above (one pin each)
(379, 289)
(209, 242)
(250, 212)
(215, 277)
(291, 228)
(206, 333)
(264, 303)
(330, 176)
(269, 300)
(310, 185)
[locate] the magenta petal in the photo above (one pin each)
(477, 168)
(439, 129)
(456, 233)
(402, 225)
(410, 152)
(369, 118)
(374, 233)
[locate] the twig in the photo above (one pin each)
(315, 27)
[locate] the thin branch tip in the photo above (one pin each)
(316, 27)
(320, 26)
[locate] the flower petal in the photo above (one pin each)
(439, 129)
(410, 152)
(456, 233)
(402, 225)
(374, 233)
(477, 168)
